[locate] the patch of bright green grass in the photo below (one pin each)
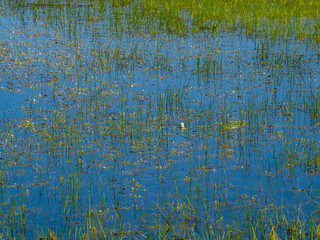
(276, 18)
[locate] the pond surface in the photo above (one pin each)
(108, 134)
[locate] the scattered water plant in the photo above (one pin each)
(134, 119)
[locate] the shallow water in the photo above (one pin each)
(91, 135)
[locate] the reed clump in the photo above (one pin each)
(277, 18)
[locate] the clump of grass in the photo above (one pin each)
(261, 18)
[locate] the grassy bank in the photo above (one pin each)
(277, 18)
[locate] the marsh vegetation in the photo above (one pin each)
(149, 119)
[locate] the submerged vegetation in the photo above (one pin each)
(159, 119)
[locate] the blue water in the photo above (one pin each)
(106, 148)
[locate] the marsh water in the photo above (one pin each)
(92, 140)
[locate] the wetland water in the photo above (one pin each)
(92, 145)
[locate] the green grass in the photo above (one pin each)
(274, 19)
